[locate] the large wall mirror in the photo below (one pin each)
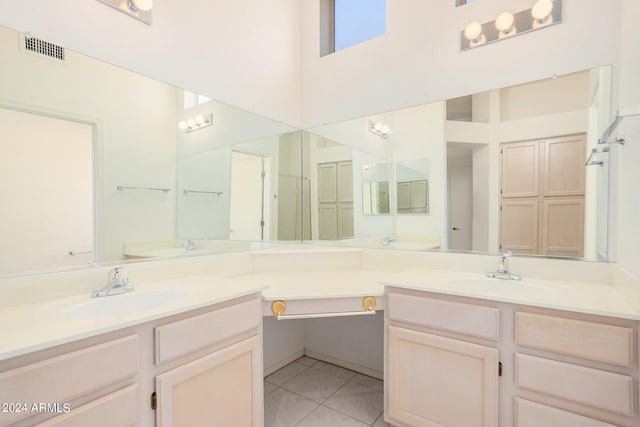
(488, 172)
(94, 167)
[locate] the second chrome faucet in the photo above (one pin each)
(116, 284)
(502, 271)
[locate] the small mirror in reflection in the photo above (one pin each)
(375, 189)
(412, 178)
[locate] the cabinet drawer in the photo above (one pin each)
(64, 378)
(593, 387)
(589, 340)
(458, 317)
(185, 336)
(116, 409)
(531, 414)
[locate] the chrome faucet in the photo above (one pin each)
(190, 246)
(116, 284)
(502, 272)
(387, 241)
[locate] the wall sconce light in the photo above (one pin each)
(508, 24)
(378, 128)
(194, 123)
(138, 9)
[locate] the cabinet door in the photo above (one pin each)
(328, 222)
(435, 381)
(519, 226)
(404, 197)
(562, 227)
(327, 183)
(420, 196)
(345, 221)
(221, 389)
(345, 182)
(520, 169)
(564, 166)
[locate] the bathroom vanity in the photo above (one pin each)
(459, 348)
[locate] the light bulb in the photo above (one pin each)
(191, 122)
(143, 5)
(200, 120)
(504, 24)
(385, 130)
(182, 124)
(542, 9)
(377, 127)
(473, 30)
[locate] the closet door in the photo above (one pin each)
(328, 221)
(564, 166)
(345, 182)
(327, 183)
(562, 227)
(345, 220)
(519, 226)
(520, 169)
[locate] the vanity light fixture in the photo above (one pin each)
(138, 9)
(543, 13)
(196, 122)
(378, 128)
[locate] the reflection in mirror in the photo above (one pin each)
(412, 183)
(558, 208)
(375, 189)
(108, 146)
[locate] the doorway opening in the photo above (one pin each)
(249, 186)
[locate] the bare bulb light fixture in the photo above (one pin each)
(378, 128)
(195, 123)
(543, 13)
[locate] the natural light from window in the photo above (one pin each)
(358, 20)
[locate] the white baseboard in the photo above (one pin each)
(344, 364)
(282, 363)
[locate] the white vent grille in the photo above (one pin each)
(42, 47)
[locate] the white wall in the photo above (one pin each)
(242, 52)
(626, 169)
(134, 149)
(419, 59)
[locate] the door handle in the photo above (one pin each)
(455, 228)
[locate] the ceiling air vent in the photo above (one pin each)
(44, 48)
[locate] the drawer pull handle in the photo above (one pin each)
(279, 307)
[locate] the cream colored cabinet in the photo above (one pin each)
(221, 389)
(434, 375)
(335, 200)
(542, 196)
(438, 381)
(78, 385)
(574, 371)
(223, 386)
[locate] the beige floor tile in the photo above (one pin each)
(380, 422)
(307, 361)
(282, 375)
(268, 388)
(285, 409)
(325, 417)
(315, 384)
(369, 381)
(358, 401)
(334, 370)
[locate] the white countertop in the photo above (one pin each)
(31, 327)
(40, 325)
(604, 300)
(320, 284)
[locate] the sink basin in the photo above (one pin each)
(123, 304)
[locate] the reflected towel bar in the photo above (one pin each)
(74, 253)
(596, 151)
(217, 193)
(122, 187)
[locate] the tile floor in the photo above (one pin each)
(311, 393)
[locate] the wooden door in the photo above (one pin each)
(436, 381)
(328, 221)
(563, 166)
(345, 182)
(562, 227)
(345, 221)
(404, 197)
(221, 389)
(327, 183)
(520, 169)
(519, 226)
